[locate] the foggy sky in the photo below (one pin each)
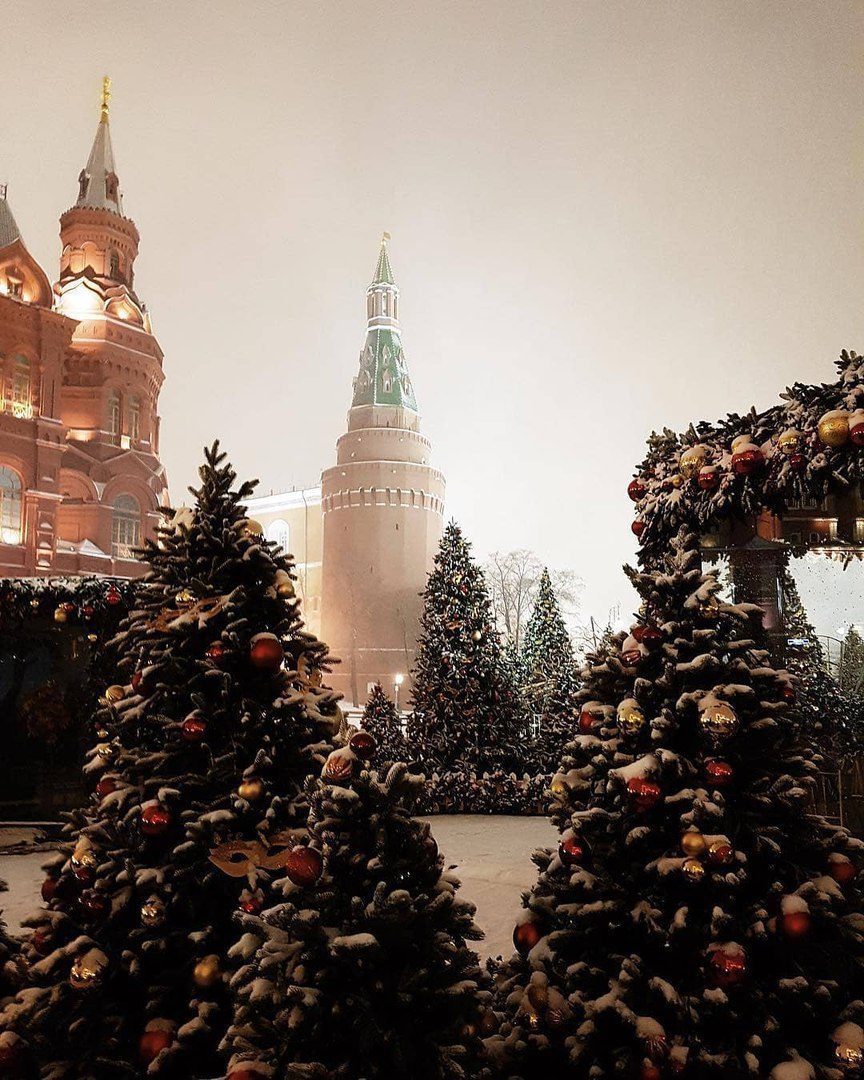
(606, 217)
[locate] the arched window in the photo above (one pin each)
(125, 527)
(11, 506)
(21, 387)
(280, 533)
(114, 266)
(133, 408)
(114, 415)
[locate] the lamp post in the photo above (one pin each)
(398, 679)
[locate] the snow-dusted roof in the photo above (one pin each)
(9, 231)
(99, 186)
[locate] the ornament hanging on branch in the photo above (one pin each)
(88, 970)
(266, 653)
(833, 428)
(718, 719)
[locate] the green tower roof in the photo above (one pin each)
(383, 272)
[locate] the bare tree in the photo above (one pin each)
(513, 578)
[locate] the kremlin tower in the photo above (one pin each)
(383, 506)
(80, 478)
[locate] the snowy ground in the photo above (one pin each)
(493, 856)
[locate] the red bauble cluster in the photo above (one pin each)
(798, 462)
(526, 935)
(728, 966)
(305, 866)
(719, 773)
(141, 683)
(708, 478)
(113, 595)
(215, 652)
(646, 634)
(363, 744)
(155, 819)
(266, 653)
(586, 722)
(636, 489)
(644, 794)
(95, 905)
(194, 728)
(252, 902)
(573, 849)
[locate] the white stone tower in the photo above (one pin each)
(383, 507)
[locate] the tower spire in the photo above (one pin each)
(98, 186)
(106, 99)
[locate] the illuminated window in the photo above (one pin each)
(114, 415)
(14, 286)
(11, 506)
(279, 532)
(21, 388)
(125, 527)
(134, 408)
(114, 269)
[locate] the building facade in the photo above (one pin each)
(81, 482)
(367, 537)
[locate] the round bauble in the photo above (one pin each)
(363, 744)
(114, 694)
(647, 635)
(251, 789)
(693, 844)
(692, 460)
(719, 774)
(644, 794)
(215, 652)
(304, 866)
(94, 904)
(266, 653)
(721, 853)
(798, 462)
(586, 722)
(559, 787)
(339, 766)
(718, 719)
(60, 615)
(526, 935)
(153, 912)
(637, 528)
(113, 596)
(49, 889)
(637, 489)
(88, 971)
(693, 870)
(630, 717)
(676, 481)
(794, 924)
(833, 428)
(848, 1041)
(185, 596)
(285, 590)
(106, 786)
(789, 441)
(742, 441)
(708, 478)
(194, 728)
(631, 654)
(842, 869)
(252, 903)
(207, 972)
(727, 965)
(856, 434)
(153, 1042)
(253, 528)
(747, 461)
(573, 849)
(155, 819)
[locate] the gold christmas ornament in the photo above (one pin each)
(83, 857)
(114, 694)
(833, 428)
(252, 527)
(694, 844)
(153, 912)
(60, 615)
(88, 970)
(104, 751)
(718, 719)
(789, 441)
(740, 441)
(92, 637)
(559, 786)
(285, 589)
(692, 460)
(676, 480)
(693, 870)
(207, 972)
(631, 719)
(251, 789)
(849, 1047)
(477, 635)
(185, 596)
(339, 766)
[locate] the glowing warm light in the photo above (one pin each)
(78, 300)
(398, 679)
(10, 536)
(125, 442)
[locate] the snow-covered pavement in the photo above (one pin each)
(492, 854)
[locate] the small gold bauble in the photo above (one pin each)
(92, 637)
(693, 870)
(102, 734)
(677, 480)
(253, 528)
(788, 441)
(740, 441)
(833, 428)
(693, 844)
(251, 790)
(114, 694)
(631, 719)
(153, 912)
(185, 596)
(692, 460)
(60, 615)
(83, 856)
(285, 589)
(87, 970)
(207, 972)
(719, 720)
(559, 787)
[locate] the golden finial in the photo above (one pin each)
(106, 96)
(385, 238)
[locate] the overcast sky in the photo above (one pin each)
(606, 217)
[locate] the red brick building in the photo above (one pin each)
(80, 374)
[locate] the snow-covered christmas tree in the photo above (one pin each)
(697, 918)
(365, 971)
(198, 774)
(381, 719)
(465, 715)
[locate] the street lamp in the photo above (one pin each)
(398, 679)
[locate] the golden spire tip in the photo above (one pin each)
(106, 96)
(385, 237)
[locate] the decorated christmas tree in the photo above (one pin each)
(547, 678)
(465, 714)
(198, 775)
(697, 918)
(365, 971)
(381, 719)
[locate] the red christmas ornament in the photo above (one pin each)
(798, 462)
(721, 854)
(637, 528)
(152, 1043)
(856, 434)
(708, 478)
(106, 786)
(631, 658)
(747, 462)
(215, 652)
(789, 693)
(644, 794)
(155, 819)
(245, 1074)
(41, 941)
(728, 968)
(305, 866)
(646, 634)
(636, 489)
(252, 903)
(68, 607)
(795, 924)
(586, 722)
(95, 904)
(84, 874)
(719, 773)
(525, 936)
(842, 870)
(113, 595)
(193, 729)
(141, 683)
(363, 744)
(649, 1071)
(266, 653)
(88, 611)
(49, 889)
(573, 850)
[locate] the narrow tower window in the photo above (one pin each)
(280, 533)
(10, 506)
(21, 388)
(134, 408)
(114, 415)
(125, 527)
(114, 266)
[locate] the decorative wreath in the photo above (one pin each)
(808, 447)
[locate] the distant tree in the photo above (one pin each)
(851, 670)
(381, 719)
(513, 578)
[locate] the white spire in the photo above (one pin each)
(98, 186)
